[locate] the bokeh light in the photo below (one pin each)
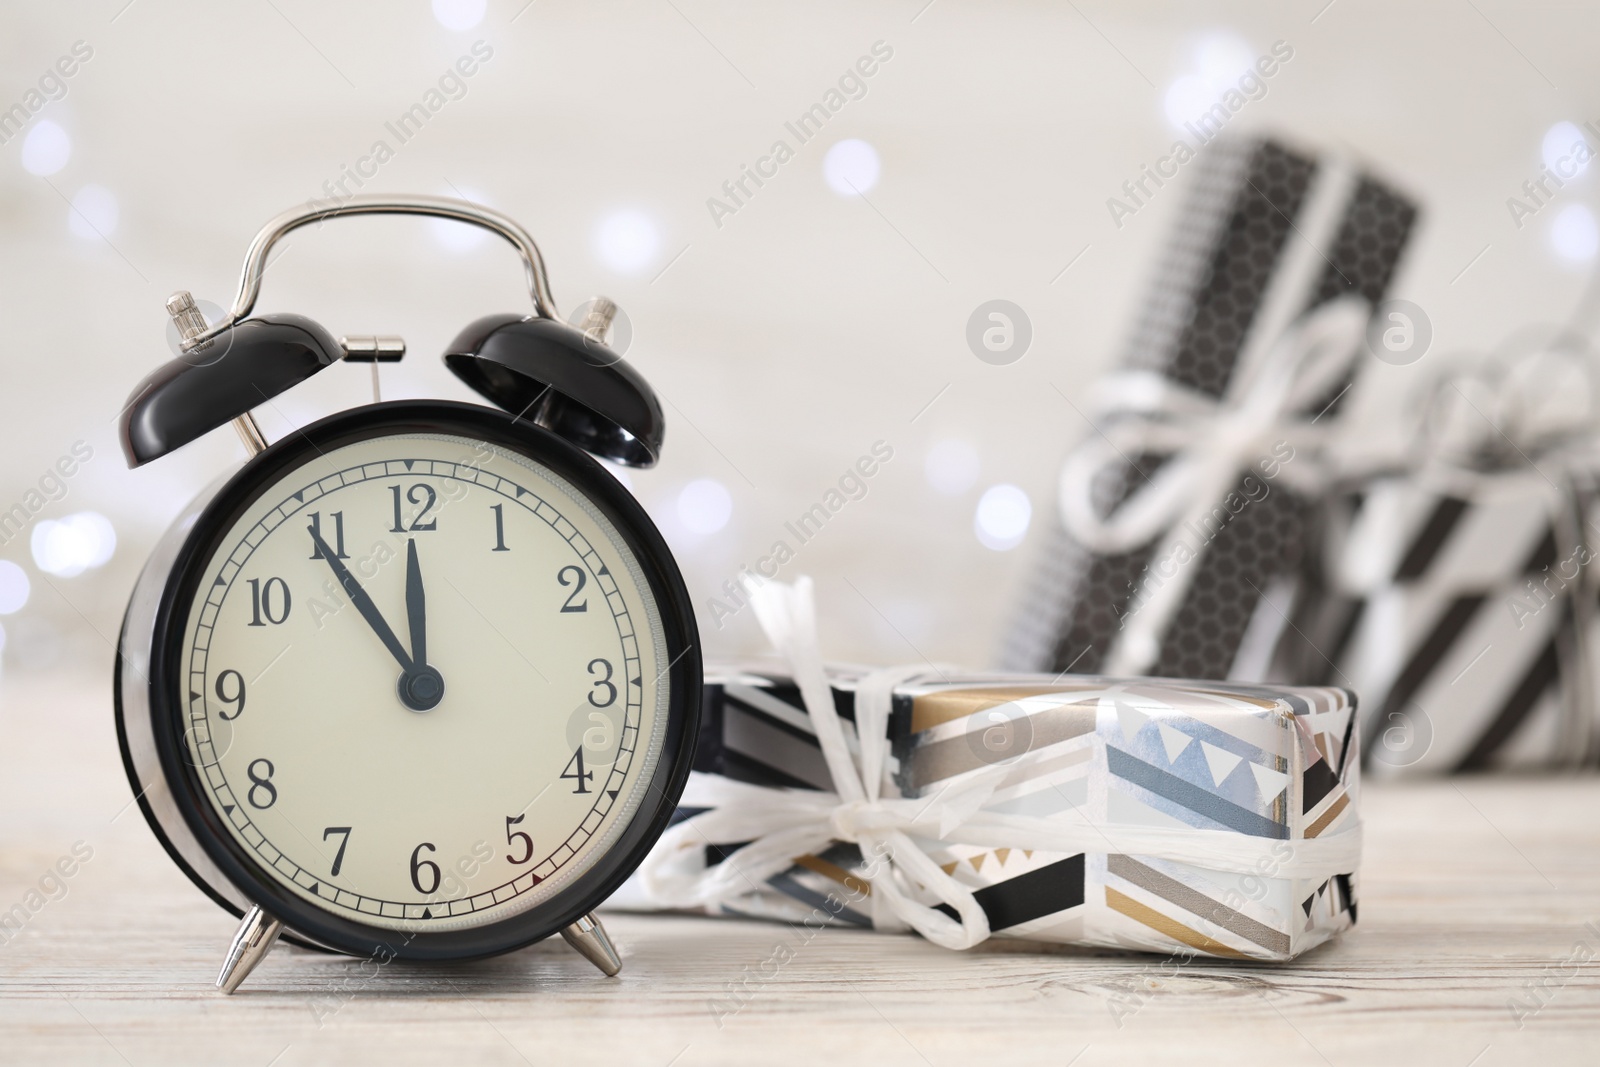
(705, 505)
(951, 466)
(70, 546)
(627, 241)
(1004, 512)
(46, 149)
(851, 167)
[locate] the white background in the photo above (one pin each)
(783, 343)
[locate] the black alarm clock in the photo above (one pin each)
(420, 680)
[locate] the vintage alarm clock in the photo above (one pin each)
(420, 680)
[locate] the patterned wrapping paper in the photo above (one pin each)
(1267, 236)
(1275, 763)
(1463, 617)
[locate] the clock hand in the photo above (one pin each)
(358, 596)
(416, 607)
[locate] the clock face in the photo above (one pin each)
(424, 682)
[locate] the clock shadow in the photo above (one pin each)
(329, 982)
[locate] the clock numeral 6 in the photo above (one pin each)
(338, 857)
(261, 783)
(261, 601)
(417, 494)
(579, 578)
(606, 682)
(237, 699)
(418, 865)
(511, 839)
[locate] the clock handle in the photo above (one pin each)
(255, 260)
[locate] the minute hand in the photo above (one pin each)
(358, 596)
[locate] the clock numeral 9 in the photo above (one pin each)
(416, 494)
(610, 687)
(579, 578)
(418, 865)
(338, 534)
(261, 601)
(261, 783)
(511, 839)
(237, 699)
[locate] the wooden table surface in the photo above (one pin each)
(1475, 894)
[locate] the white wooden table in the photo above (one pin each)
(1472, 890)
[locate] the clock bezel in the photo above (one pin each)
(637, 531)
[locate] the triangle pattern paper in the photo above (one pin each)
(1130, 717)
(1175, 741)
(1269, 781)
(1221, 761)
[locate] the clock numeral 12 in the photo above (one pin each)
(579, 774)
(261, 601)
(416, 494)
(338, 534)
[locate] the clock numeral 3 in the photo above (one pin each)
(338, 857)
(237, 699)
(499, 528)
(575, 772)
(261, 783)
(511, 839)
(416, 494)
(579, 578)
(261, 601)
(610, 687)
(418, 865)
(338, 535)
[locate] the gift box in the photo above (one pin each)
(1159, 815)
(1462, 596)
(1187, 523)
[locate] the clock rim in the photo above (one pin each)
(638, 533)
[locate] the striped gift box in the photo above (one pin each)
(1275, 764)
(1454, 618)
(1267, 237)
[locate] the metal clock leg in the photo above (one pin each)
(590, 939)
(250, 944)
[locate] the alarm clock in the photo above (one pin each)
(420, 680)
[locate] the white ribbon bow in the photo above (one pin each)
(1211, 441)
(782, 825)
(1145, 413)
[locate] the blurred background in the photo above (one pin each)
(789, 325)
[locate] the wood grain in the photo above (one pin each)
(1472, 890)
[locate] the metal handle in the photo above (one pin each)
(255, 260)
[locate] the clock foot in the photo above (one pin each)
(250, 944)
(590, 939)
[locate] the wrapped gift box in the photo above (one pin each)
(1268, 238)
(1467, 623)
(1244, 796)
